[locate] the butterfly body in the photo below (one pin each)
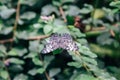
(56, 41)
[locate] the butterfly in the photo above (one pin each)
(63, 41)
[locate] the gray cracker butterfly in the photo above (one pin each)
(56, 41)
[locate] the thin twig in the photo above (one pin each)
(6, 41)
(30, 38)
(63, 14)
(38, 37)
(16, 22)
(98, 28)
(84, 65)
(46, 74)
(17, 18)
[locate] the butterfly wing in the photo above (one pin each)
(68, 43)
(72, 46)
(64, 41)
(52, 44)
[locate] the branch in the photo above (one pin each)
(38, 37)
(30, 38)
(15, 23)
(99, 30)
(63, 14)
(46, 74)
(17, 18)
(6, 41)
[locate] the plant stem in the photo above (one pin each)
(62, 14)
(16, 22)
(17, 18)
(46, 74)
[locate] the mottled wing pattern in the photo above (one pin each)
(68, 43)
(52, 44)
(64, 41)
(72, 46)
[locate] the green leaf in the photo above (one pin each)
(37, 61)
(28, 15)
(56, 3)
(86, 51)
(6, 31)
(86, 9)
(2, 65)
(4, 74)
(85, 77)
(2, 51)
(47, 29)
(1, 25)
(60, 29)
(21, 77)
(115, 4)
(16, 61)
(18, 51)
(22, 35)
(16, 68)
(47, 60)
(89, 60)
(74, 56)
(41, 46)
(82, 41)
(37, 26)
(33, 72)
(72, 10)
(13, 52)
(1, 54)
(6, 13)
(75, 64)
(54, 72)
(48, 9)
(76, 32)
(41, 70)
(31, 55)
(29, 2)
(36, 71)
(67, 1)
(35, 46)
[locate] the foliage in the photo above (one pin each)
(21, 44)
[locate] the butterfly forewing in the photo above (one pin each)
(52, 44)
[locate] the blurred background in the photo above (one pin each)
(25, 26)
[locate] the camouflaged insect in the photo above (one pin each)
(56, 41)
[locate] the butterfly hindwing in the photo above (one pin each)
(68, 43)
(72, 46)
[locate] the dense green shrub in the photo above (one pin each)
(22, 39)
